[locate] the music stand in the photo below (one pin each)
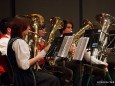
(111, 39)
(56, 45)
(65, 46)
(111, 44)
(80, 49)
(93, 35)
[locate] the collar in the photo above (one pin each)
(5, 36)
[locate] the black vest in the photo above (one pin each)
(21, 77)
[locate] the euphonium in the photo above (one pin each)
(56, 23)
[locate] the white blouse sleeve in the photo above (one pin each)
(22, 53)
(3, 45)
(92, 59)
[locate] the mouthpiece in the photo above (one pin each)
(32, 32)
(44, 32)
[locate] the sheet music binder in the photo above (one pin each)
(80, 49)
(64, 49)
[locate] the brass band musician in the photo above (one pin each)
(68, 26)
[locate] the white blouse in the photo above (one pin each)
(3, 44)
(92, 59)
(22, 52)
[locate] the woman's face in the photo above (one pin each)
(68, 29)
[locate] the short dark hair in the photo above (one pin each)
(18, 25)
(65, 22)
(4, 24)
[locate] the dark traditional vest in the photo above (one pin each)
(21, 77)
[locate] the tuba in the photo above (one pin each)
(38, 21)
(105, 20)
(32, 37)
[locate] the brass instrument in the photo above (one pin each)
(38, 21)
(56, 23)
(87, 25)
(105, 20)
(32, 37)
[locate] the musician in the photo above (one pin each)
(19, 56)
(41, 42)
(94, 52)
(5, 37)
(74, 65)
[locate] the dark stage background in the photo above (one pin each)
(74, 10)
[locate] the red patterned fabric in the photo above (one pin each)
(41, 46)
(3, 36)
(2, 70)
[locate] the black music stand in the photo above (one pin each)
(111, 39)
(56, 44)
(93, 35)
(54, 52)
(111, 44)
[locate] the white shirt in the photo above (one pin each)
(41, 39)
(92, 59)
(22, 53)
(3, 44)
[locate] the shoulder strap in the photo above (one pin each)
(13, 39)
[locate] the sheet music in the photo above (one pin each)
(64, 49)
(80, 49)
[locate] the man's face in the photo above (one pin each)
(41, 32)
(68, 29)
